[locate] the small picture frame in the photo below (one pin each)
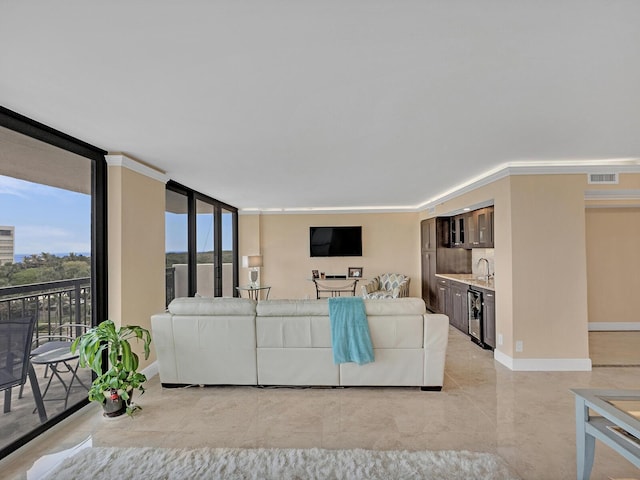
(315, 274)
(355, 272)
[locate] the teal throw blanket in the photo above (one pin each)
(350, 336)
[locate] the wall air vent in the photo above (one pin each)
(603, 178)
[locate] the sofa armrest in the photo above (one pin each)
(436, 338)
(372, 286)
(162, 332)
(404, 288)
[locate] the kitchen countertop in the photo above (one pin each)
(469, 279)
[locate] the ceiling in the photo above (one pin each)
(329, 104)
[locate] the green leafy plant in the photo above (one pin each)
(121, 377)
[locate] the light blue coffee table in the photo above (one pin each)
(611, 416)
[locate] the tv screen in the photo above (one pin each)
(335, 241)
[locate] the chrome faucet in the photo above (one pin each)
(488, 275)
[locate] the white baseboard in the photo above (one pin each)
(151, 370)
(543, 364)
(613, 326)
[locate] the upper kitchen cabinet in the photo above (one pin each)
(457, 230)
(472, 229)
(428, 231)
(483, 233)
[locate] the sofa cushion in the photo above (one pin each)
(212, 306)
(395, 306)
(291, 308)
(295, 331)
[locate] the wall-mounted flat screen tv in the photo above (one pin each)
(335, 241)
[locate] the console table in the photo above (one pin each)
(335, 287)
(615, 421)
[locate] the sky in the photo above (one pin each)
(46, 219)
(54, 220)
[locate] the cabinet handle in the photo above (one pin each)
(489, 295)
(476, 243)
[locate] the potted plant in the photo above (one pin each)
(113, 387)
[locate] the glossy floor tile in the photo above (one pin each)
(525, 417)
(614, 348)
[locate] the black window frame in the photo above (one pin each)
(31, 128)
(218, 206)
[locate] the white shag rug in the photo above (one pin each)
(315, 463)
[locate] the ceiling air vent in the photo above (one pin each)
(608, 178)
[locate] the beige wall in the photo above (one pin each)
(549, 266)
(390, 243)
(136, 249)
(613, 260)
(540, 263)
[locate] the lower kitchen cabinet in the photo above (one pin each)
(458, 313)
(443, 295)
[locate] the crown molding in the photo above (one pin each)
(325, 210)
(119, 160)
(612, 195)
(624, 165)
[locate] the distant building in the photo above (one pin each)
(7, 240)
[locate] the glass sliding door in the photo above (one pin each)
(229, 252)
(205, 249)
(52, 210)
(176, 245)
(201, 245)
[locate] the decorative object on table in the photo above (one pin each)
(355, 272)
(315, 274)
(313, 463)
(321, 274)
(253, 262)
(114, 387)
(387, 285)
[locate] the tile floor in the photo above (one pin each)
(525, 417)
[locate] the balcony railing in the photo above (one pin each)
(54, 303)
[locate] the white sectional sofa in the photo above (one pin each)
(219, 341)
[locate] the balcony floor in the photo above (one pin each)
(21, 419)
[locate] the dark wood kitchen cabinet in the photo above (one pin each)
(472, 229)
(428, 234)
(428, 263)
(458, 313)
(436, 257)
(483, 220)
(457, 231)
(429, 285)
(443, 296)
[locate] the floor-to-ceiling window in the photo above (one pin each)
(52, 271)
(205, 250)
(201, 245)
(228, 225)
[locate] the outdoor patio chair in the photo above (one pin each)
(15, 350)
